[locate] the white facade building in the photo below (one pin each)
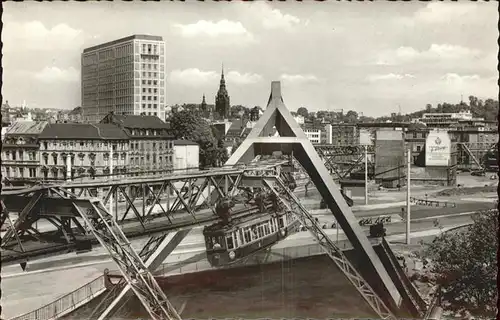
(314, 135)
(126, 76)
(186, 156)
(299, 119)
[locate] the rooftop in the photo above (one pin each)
(136, 121)
(133, 37)
(184, 143)
(83, 131)
(27, 127)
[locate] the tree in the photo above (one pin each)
(186, 125)
(302, 112)
(351, 116)
(466, 265)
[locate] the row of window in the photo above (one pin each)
(19, 155)
(147, 159)
(15, 172)
(149, 49)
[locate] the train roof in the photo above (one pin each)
(239, 223)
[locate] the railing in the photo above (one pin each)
(67, 303)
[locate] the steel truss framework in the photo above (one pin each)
(131, 265)
(165, 203)
(278, 187)
(466, 151)
(342, 160)
(106, 230)
(292, 141)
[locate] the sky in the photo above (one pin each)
(371, 57)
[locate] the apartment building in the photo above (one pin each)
(125, 76)
(150, 141)
(71, 150)
(20, 150)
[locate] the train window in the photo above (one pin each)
(281, 223)
(235, 237)
(261, 231)
(248, 238)
(210, 243)
(243, 241)
(253, 233)
(266, 230)
(230, 243)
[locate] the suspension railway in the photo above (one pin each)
(84, 213)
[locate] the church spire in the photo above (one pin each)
(222, 104)
(222, 80)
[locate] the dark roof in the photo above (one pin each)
(184, 143)
(136, 36)
(136, 121)
(83, 131)
(237, 127)
(27, 127)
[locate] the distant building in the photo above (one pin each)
(150, 139)
(186, 156)
(446, 120)
(344, 134)
(76, 115)
(71, 150)
(222, 101)
(300, 119)
(20, 150)
(126, 76)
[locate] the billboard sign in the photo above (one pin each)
(437, 149)
(365, 137)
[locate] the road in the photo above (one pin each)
(23, 292)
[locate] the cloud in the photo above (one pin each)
(55, 74)
(272, 18)
(242, 78)
(215, 29)
(34, 35)
(435, 52)
(298, 78)
(438, 12)
(192, 77)
(453, 78)
(473, 84)
(390, 76)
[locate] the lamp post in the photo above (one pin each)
(408, 197)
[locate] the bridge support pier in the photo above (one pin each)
(154, 252)
(131, 265)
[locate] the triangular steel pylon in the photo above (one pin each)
(293, 139)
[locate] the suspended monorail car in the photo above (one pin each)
(228, 243)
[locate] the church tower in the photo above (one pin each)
(203, 106)
(222, 106)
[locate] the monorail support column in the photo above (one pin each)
(292, 203)
(154, 252)
(132, 267)
(292, 139)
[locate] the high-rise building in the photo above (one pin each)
(126, 76)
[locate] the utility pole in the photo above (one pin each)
(408, 198)
(111, 174)
(366, 174)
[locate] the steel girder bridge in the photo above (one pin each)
(341, 161)
(78, 215)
